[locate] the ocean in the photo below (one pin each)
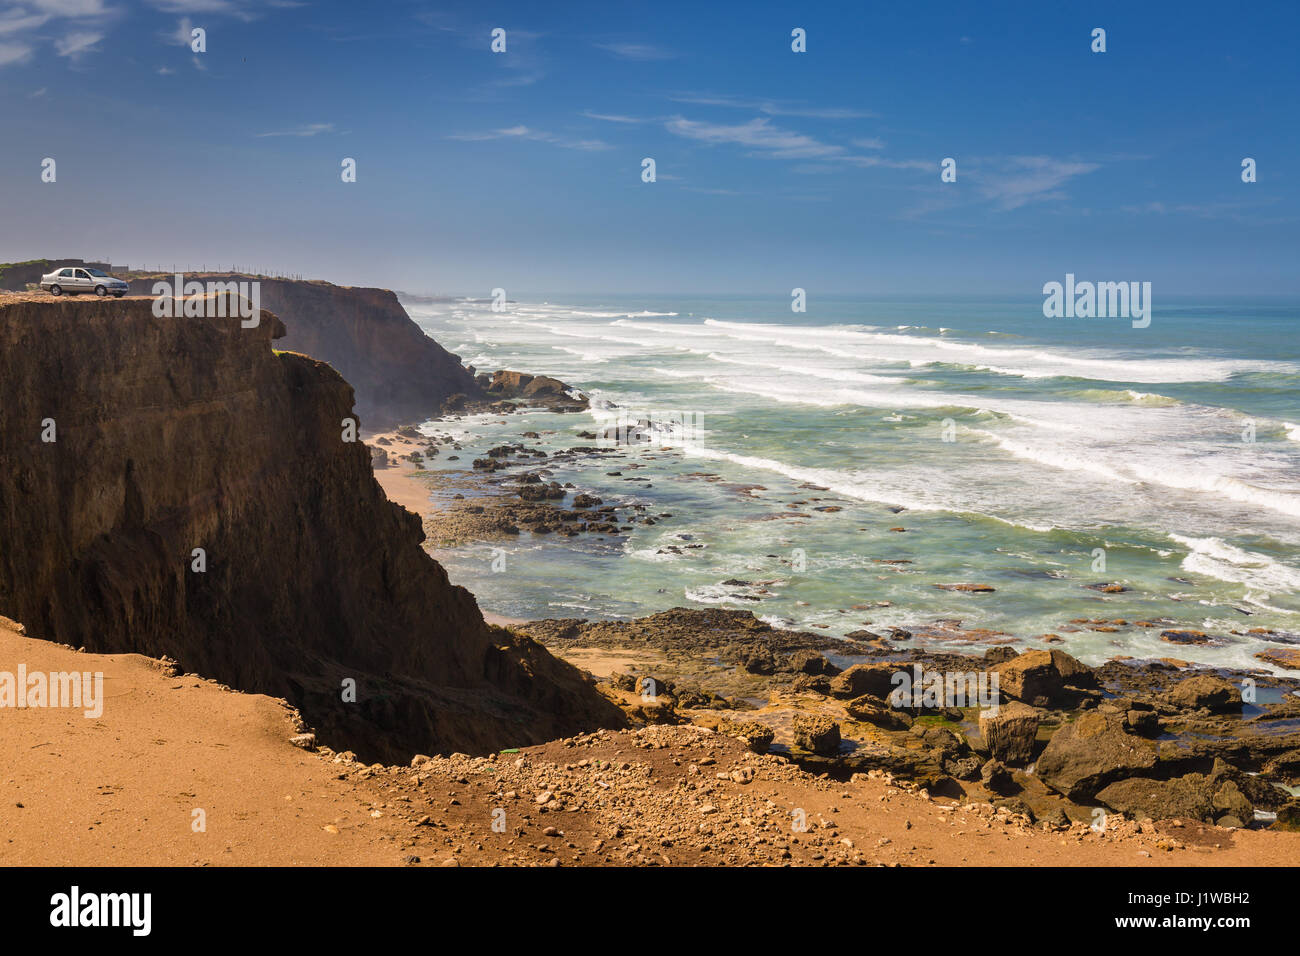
(1040, 457)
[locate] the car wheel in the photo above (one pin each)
(100, 291)
(56, 290)
(118, 295)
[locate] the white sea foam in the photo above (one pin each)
(1215, 558)
(1027, 362)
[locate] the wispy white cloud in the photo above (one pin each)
(72, 27)
(69, 8)
(771, 107)
(758, 134)
(77, 45)
(308, 129)
(11, 53)
(182, 35)
(1003, 182)
(869, 143)
(1018, 180)
(613, 117)
(868, 162)
(642, 52)
(522, 132)
(18, 20)
(1236, 211)
(239, 9)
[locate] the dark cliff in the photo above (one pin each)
(176, 434)
(399, 373)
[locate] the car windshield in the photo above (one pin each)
(96, 272)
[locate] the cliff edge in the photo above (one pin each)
(400, 374)
(128, 441)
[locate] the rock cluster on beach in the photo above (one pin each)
(1146, 740)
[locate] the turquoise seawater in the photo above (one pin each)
(1030, 454)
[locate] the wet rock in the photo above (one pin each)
(1179, 636)
(1204, 690)
(1287, 657)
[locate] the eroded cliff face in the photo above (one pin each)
(177, 434)
(399, 373)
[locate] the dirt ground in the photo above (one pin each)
(123, 788)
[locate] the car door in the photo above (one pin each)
(65, 279)
(84, 283)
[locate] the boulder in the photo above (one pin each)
(1144, 723)
(1010, 732)
(817, 734)
(1186, 798)
(996, 777)
(1039, 677)
(1230, 801)
(757, 737)
(874, 679)
(810, 662)
(1091, 752)
(1000, 654)
(1204, 690)
(1287, 657)
(963, 768)
(873, 710)
(1288, 817)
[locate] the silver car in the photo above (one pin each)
(75, 279)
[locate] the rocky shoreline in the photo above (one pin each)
(1056, 743)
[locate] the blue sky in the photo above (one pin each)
(775, 169)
